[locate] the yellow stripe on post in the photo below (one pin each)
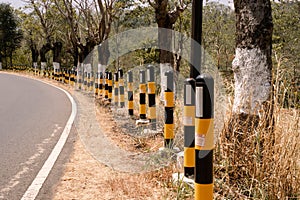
(189, 115)
(169, 131)
(204, 191)
(130, 87)
(151, 88)
(189, 157)
(152, 112)
(169, 99)
(142, 108)
(130, 105)
(122, 98)
(142, 88)
(204, 137)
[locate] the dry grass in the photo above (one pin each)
(262, 161)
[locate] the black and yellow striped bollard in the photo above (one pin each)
(97, 84)
(204, 137)
(88, 81)
(100, 87)
(130, 92)
(85, 81)
(142, 87)
(91, 82)
(72, 78)
(66, 78)
(121, 88)
(169, 110)
(116, 89)
(75, 77)
(189, 127)
(56, 75)
(60, 75)
(106, 85)
(151, 96)
(110, 86)
(79, 78)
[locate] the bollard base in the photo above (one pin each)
(142, 122)
(175, 149)
(151, 132)
(179, 177)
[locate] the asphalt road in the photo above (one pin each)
(32, 118)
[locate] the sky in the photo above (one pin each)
(14, 3)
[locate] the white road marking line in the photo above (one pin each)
(15, 180)
(39, 180)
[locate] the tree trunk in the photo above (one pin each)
(252, 64)
(34, 53)
(0, 61)
(165, 20)
(57, 46)
(252, 67)
(103, 56)
(45, 48)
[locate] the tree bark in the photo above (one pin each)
(34, 53)
(43, 51)
(252, 65)
(57, 47)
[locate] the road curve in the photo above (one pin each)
(32, 118)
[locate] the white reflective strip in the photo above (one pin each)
(148, 75)
(199, 102)
(187, 121)
(188, 94)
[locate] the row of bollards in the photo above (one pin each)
(198, 114)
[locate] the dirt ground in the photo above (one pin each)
(87, 178)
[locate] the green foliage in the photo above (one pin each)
(286, 50)
(218, 33)
(10, 33)
(140, 16)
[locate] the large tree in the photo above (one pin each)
(10, 33)
(252, 106)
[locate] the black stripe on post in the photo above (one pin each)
(142, 94)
